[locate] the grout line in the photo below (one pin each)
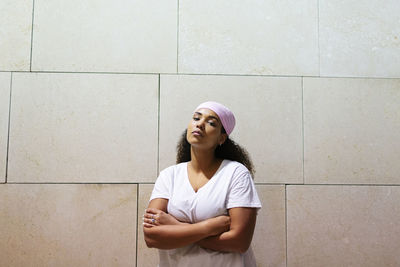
(319, 50)
(314, 184)
(152, 183)
(137, 221)
(302, 120)
(158, 125)
(344, 184)
(207, 74)
(286, 227)
(92, 72)
(33, 16)
(272, 184)
(82, 183)
(177, 39)
(8, 131)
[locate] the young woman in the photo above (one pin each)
(202, 211)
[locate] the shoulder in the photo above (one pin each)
(173, 169)
(236, 167)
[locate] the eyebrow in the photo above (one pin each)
(211, 116)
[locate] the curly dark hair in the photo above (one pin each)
(228, 150)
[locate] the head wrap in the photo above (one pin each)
(225, 115)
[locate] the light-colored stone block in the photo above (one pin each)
(15, 34)
(83, 128)
(269, 240)
(67, 225)
(146, 257)
(248, 37)
(105, 36)
(359, 38)
(268, 114)
(351, 131)
(5, 79)
(343, 226)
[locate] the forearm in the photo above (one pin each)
(240, 234)
(162, 230)
(226, 242)
(175, 236)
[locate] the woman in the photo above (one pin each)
(202, 211)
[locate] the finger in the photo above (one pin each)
(151, 216)
(148, 215)
(153, 211)
(149, 221)
(148, 225)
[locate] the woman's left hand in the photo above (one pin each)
(154, 217)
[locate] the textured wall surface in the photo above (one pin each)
(95, 94)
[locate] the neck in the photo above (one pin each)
(202, 160)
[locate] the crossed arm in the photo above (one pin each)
(231, 233)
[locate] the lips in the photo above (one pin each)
(197, 133)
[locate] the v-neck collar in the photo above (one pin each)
(198, 190)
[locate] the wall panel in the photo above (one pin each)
(351, 131)
(67, 225)
(248, 37)
(359, 38)
(105, 36)
(15, 34)
(83, 128)
(343, 226)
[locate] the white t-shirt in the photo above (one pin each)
(231, 186)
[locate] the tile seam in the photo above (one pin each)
(158, 123)
(33, 17)
(286, 227)
(177, 38)
(319, 49)
(137, 222)
(83, 183)
(207, 74)
(8, 130)
(267, 184)
(302, 123)
(360, 185)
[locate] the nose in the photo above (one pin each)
(200, 124)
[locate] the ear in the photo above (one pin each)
(222, 138)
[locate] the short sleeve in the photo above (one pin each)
(242, 192)
(162, 187)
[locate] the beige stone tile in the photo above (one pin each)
(351, 131)
(343, 226)
(67, 225)
(5, 78)
(359, 38)
(269, 240)
(15, 34)
(248, 37)
(83, 128)
(146, 257)
(105, 36)
(268, 112)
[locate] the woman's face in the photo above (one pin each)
(204, 130)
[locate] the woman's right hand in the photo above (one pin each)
(155, 217)
(218, 225)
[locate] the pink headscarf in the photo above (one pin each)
(225, 115)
